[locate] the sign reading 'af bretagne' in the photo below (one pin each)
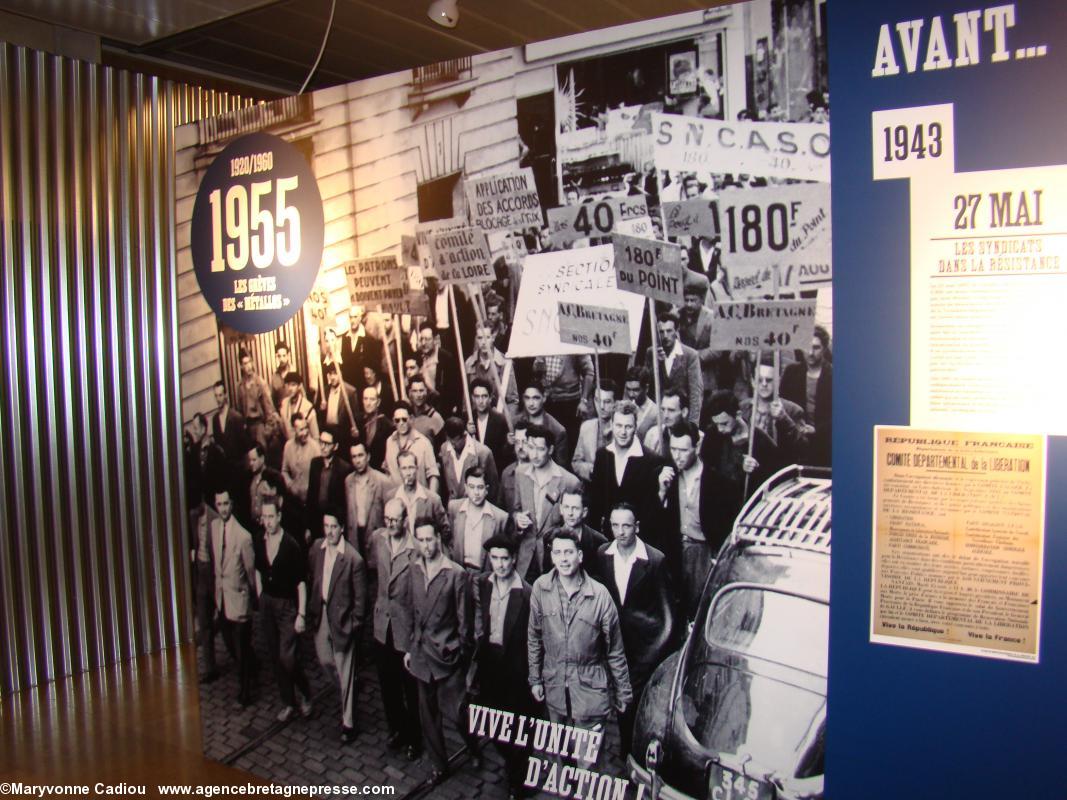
(257, 233)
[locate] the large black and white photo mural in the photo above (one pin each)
(506, 386)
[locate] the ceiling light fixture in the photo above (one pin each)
(444, 12)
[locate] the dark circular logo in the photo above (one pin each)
(257, 233)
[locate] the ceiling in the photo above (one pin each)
(266, 49)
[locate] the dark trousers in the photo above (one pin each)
(400, 695)
(499, 690)
(626, 722)
(278, 615)
(205, 613)
(238, 638)
(439, 696)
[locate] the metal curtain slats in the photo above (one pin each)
(92, 524)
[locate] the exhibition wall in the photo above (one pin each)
(910, 722)
(343, 252)
(91, 567)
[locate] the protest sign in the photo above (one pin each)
(567, 224)
(504, 200)
(769, 149)
(318, 308)
(605, 329)
(460, 255)
(378, 283)
(638, 226)
(763, 325)
(586, 272)
(696, 217)
(649, 267)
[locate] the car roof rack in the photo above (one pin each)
(792, 509)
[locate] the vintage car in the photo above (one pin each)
(739, 713)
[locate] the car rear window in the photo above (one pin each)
(770, 625)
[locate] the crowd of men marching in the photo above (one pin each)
(514, 532)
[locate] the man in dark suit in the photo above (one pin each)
(440, 369)
(441, 643)
(624, 470)
(374, 427)
(489, 426)
(326, 481)
(338, 408)
(228, 428)
(688, 509)
(335, 608)
(636, 576)
(809, 384)
(679, 364)
(501, 666)
(358, 350)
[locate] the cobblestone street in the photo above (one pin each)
(309, 752)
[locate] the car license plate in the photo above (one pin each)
(727, 784)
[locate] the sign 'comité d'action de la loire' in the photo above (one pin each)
(257, 233)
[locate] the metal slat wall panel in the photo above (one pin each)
(92, 525)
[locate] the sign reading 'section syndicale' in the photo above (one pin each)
(257, 233)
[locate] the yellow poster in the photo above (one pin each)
(958, 535)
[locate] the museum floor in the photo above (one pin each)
(133, 723)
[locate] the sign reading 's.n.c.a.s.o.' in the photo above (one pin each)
(257, 233)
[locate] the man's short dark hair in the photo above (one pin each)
(474, 472)
(684, 427)
(622, 505)
(539, 432)
(258, 448)
(723, 401)
(200, 419)
(407, 454)
(281, 345)
(296, 417)
(563, 533)
(455, 427)
(418, 377)
(640, 374)
(330, 510)
(426, 522)
(536, 385)
(333, 431)
(481, 383)
(579, 492)
(402, 405)
(502, 541)
(218, 384)
(293, 377)
(674, 391)
(608, 385)
(330, 368)
(668, 316)
(522, 425)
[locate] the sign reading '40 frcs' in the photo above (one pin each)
(257, 233)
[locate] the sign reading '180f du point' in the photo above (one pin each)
(257, 233)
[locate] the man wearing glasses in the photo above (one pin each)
(405, 439)
(326, 481)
